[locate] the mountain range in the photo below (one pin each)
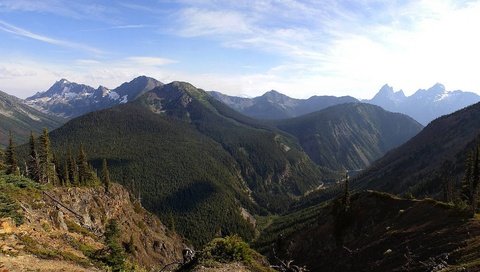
(193, 159)
(274, 105)
(188, 154)
(424, 105)
(20, 119)
(208, 170)
(68, 99)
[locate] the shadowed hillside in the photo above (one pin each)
(379, 233)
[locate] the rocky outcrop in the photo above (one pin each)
(66, 226)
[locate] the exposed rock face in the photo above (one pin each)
(153, 243)
(63, 227)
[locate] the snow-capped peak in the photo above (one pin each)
(441, 96)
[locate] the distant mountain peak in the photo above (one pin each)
(276, 97)
(386, 93)
(438, 87)
(425, 104)
(69, 99)
(273, 92)
(386, 89)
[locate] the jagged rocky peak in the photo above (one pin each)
(438, 87)
(388, 92)
(69, 99)
(386, 89)
(63, 81)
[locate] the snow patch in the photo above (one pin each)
(70, 96)
(113, 95)
(442, 96)
(124, 99)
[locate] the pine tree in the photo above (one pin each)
(11, 158)
(2, 164)
(346, 196)
(65, 174)
(105, 176)
(33, 165)
(116, 258)
(82, 163)
(72, 168)
(45, 156)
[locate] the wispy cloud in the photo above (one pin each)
(131, 26)
(150, 61)
(203, 22)
(351, 45)
(6, 27)
(79, 10)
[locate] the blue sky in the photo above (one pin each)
(300, 48)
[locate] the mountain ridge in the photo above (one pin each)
(275, 105)
(424, 105)
(350, 136)
(21, 119)
(69, 99)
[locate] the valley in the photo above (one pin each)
(230, 185)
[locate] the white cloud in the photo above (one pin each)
(332, 47)
(79, 10)
(6, 27)
(150, 61)
(200, 22)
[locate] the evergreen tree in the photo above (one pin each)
(11, 158)
(346, 196)
(72, 168)
(83, 168)
(65, 174)
(33, 166)
(105, 176)
(2, 164)
(86, 173)
(116, 257)
(45, 156)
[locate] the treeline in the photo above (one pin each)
(465, 193)
(43, 166)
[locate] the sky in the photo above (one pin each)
(242, 47)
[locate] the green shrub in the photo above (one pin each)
(10, 208)
(228, 249)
